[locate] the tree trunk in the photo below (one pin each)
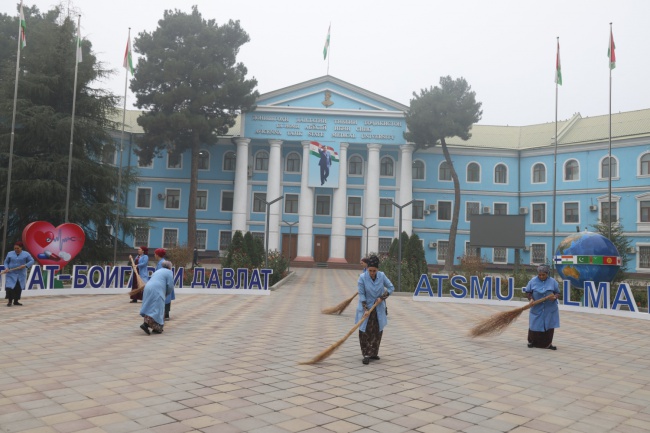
(194, 181)
(451, 251)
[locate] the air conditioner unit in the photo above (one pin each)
(631, 250)
(161, 196)
(427, 212)
(432, 208)
(250, 171)
(486, 209)
(593, 208)
(433, 245)
(523, 211)
(526, 248)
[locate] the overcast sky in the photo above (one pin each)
(504, 48)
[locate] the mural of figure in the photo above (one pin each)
(325, 162)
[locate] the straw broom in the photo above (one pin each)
(327, 352)
(338, 309)
(497, 323)
(138, 279)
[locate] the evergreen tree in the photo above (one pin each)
(620, 241)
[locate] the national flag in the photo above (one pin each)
(327, 42)
(23, 27)
(611, 51)
(128, 57)
(612, 260)
(558, 66)
(564, 260)
(315, 145)
(79, 56)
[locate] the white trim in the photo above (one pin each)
(532, 173)
(532, 212)
(564, 221)
(480, 170)
(137, 193)
(494, 172)
(564, 179)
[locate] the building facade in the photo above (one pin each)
(328, 163)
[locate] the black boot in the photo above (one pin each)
(17, 303)
(145, 328)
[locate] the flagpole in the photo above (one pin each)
(119, 175)
(74, 102)
(5, 220)
(557, 66)
(609, 160)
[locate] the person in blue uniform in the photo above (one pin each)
(544, 318)
(159, 255)
(373, 285)
(159, 286)
(324, 163)
(142, 264)
(16, 265)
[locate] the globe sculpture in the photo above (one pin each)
(587, 256)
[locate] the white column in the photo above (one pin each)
(305, 251)
(339, 210)
(371, 210)
(240, 195)
(406, 187)
(273, 191)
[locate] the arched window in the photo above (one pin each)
(571, 170)
(229, 161)
(644, 168)
(444, 172)
(473, 172)
(386, 166)
(355, 166)
(262, 161)
(293, 163)
(204, 160)
(418, 170)
(608, 165)
(539, 173)
(500, 174)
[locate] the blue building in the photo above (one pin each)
(333, 156)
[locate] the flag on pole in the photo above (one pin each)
(610, 51)
(327, 43)
(23, 27)
(558, 66)
(128, 57)
(79, 56)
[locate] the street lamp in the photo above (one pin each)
(290, 227)
(266, 235)
(367, 231)
(399, 251)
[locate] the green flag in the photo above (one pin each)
(128, 58)
(23, 27)
(558, 66)
(611, 51)
(327, 43)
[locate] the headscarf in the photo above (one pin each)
(160, 252)
(144, 249)
(543, 269)
(365, 260)
(373, 262)
(20, 244)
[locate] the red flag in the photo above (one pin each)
(611, 51)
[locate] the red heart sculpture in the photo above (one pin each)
(53, 246)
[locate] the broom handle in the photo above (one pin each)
(363, 319)
(539, 301)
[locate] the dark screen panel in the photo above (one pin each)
(497, 231)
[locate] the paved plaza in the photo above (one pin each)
(229, 363)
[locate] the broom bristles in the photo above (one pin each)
(338, 309)
(497, 323)
(138, 279)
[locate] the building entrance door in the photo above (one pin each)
(353, 249)
(286, 243)
(321, 248)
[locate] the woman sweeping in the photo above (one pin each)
(372, 285)
(544, 317)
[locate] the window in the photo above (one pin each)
(418, 210)
(259, 202)
(386, 167)
(226, 201)
(354, 206)
(141, 163)
(385, 208)
(141, 236)
(444, 172)
(293, 163)
(224, 240)
(443, 249)
(644, 215)
(472, 208)
(538, 255)
(571, 170)
(500, 174)
(229, 161)
(204, 160)
(144, 198)
(469, 250)
(170, 238)
(500, 208)
(605, 167)
(174, 160)
(384, 245)
(473, 172)
(262, 161)
(444, 211)
(539, 173)
(604, 211)
(644, 168)
(500, 255)
(571, 213)
(322, 205)
(201, 239)
(418, 170)
(355, 166)
(644, 256)
(291, 203)
(539, 213)
(201, 200)
(172, 199)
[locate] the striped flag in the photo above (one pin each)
(315, 145)
(558, 66)
(128, 57)
(327, 42)
(79, 55)
(23, 27)
(611, 51)
(565, 260)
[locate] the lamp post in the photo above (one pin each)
(266, 234)
(367, 234)
(290, 227)
(399, 251)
